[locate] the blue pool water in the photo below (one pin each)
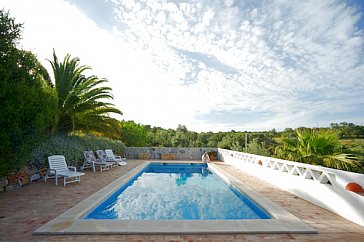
(177, 192)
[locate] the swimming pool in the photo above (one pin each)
(73, 221)
(177, 192)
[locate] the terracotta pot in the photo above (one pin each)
(13, 179)
(354, 187)
(20, 178)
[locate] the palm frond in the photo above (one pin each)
(79, 98)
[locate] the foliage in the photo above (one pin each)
(317, 147)
(10, 34)
(233, 141)
(257, 149)
(158, 137)
(133, 135)
(182, 137)
(72, 147)
(27, 99)
(80, 105)
(353, 150)
(348, 130)
(354, 146)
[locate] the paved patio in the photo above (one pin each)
(26, 209)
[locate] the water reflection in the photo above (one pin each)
(182, 178)
(176, 195)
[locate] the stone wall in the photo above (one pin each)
(155, 152)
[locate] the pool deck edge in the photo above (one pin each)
(71, 222)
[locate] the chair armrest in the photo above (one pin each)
(72, 168)
(117, 157)
(49, 170)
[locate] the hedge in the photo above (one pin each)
(72, 147)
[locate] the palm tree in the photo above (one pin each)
(80, 99)
(317, 147)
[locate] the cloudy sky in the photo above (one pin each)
(212, 65)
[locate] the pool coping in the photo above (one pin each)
(72, 222)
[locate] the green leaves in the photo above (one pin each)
(132, 134)
(317, 147)
(81, 105)
(72, 147)
(10, 33)
(27, 99)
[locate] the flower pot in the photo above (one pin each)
(19, 178)
(355, 187)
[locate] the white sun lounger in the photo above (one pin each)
(58, 168)
(110, 156)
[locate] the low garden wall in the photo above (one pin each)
(325, 187)
(168, 153)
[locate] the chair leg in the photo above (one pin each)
(56, 179)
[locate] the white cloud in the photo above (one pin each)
(165, 197)
(288, 63)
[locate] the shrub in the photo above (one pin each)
(27, 99)
(257, 149)
(317, 147)
(72, 147)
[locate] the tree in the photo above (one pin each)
(10, 34)
(256, 148)
(27, 99)
(348, 130)
(233, 141)
(181, 137)
(132, 134)
(162, 137)
(202, 139)
(79, 99)
(288, 132)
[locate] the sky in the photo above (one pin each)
(211, 65)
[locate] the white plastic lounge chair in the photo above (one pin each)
(58, 168)
(103, 157)
(91, 161)
(110, 156)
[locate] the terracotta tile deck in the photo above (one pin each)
(26, 209)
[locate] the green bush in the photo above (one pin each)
(27, 99)
(72, 147)
(257, 149)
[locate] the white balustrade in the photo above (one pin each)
(325, 187)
